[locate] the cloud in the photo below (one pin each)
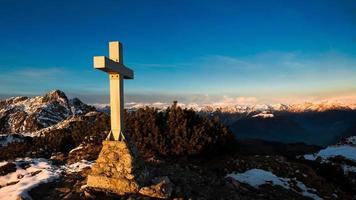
(223, 61)
(29, 80)
(266, 77)
(263, 60)
(40, 73)
(348, 99)
(229, 101)
(33, 73)
(159, 65)
(295, 64)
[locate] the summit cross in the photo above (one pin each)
(114, 66)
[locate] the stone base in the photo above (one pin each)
(118, 169)
(119, 186)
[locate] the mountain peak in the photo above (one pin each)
(56, 94)
(26, 114)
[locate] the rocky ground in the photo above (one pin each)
(196, 178)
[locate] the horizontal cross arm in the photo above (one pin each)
(107, 65)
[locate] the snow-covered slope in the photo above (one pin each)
(346, 148)
(342, 154)
(28, 174)
(258, 177)
(345, 151)
(24, 114)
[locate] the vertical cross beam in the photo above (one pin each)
(116, 93)
(116, 105)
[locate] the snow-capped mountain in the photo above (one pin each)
(25, 114)
(295, 108)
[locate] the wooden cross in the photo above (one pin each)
(114, 66)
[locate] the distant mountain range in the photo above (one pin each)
(321, 123)
(314, 123)
(300, 107)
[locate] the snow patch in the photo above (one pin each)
(348, 152)
(76, 148)
(18, 183)
(263, 115)
(258, 177)
(3, 163)
(351, 140)
(347, 169)
(78, 166)
(308, 192)
(42, 132)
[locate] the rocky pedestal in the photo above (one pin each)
(118, 169)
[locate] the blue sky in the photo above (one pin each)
(193, 51)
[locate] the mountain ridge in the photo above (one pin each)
(298, 107)
(27, 114)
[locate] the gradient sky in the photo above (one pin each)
(193, 51)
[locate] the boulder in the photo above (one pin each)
(7, 168)
(161, 188)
